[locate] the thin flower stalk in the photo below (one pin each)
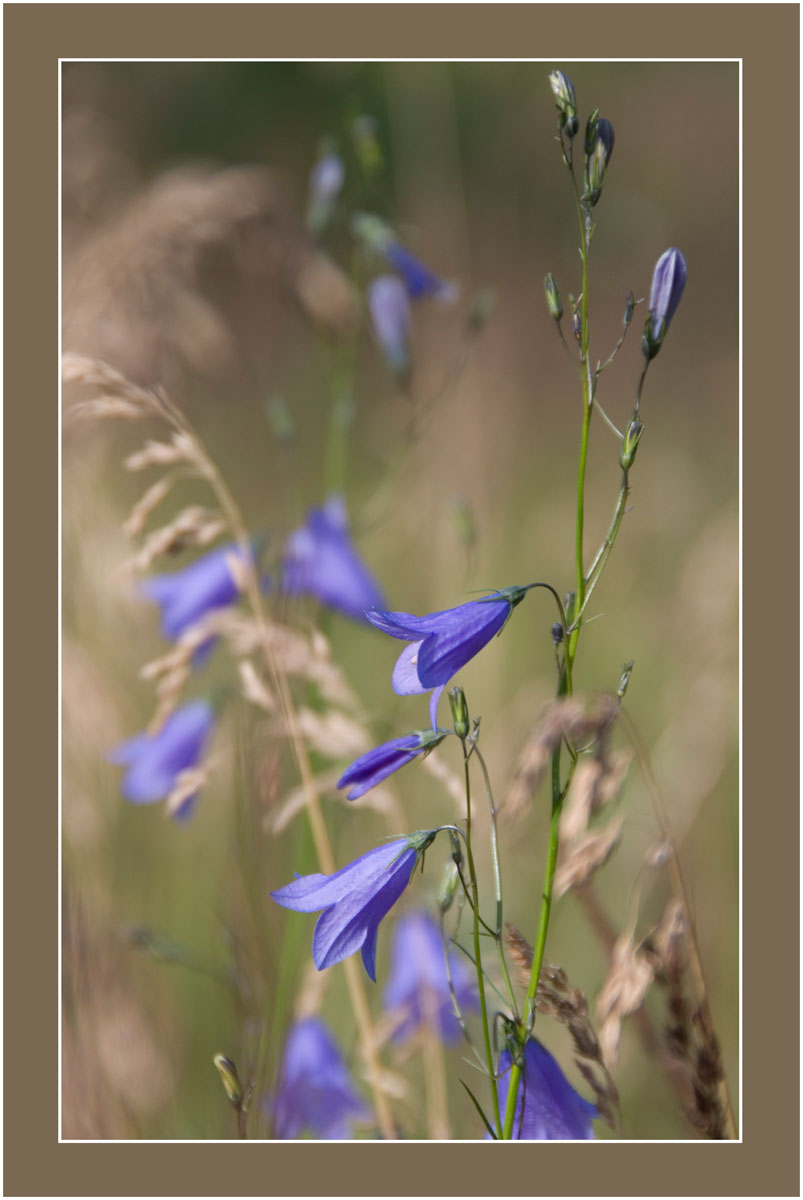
(320, 836)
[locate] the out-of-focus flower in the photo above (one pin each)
(548, 1108)
(418, 987)
(390, 315)
(325, 182)
(354, 900)
(418, 279)
(565, 102)
(366, 143)
(443, 642)
(377, 764)
(315, 1092)
(320, 560)
(186, 596)
(668, 282)
(154, 761)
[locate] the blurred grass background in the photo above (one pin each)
(475, 185)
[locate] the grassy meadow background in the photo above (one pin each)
(227, 302)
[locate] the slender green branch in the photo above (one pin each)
(477, 951)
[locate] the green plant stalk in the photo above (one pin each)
(486, 1033)
(498, 883)
(565, 681)
(540, 942)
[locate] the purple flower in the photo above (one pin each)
(418, 987)
(599, 157)
(321, 561)
(418, 279)
(354, 900)
(186, 596)
(390, 314)
(155, 760)
(443, 642)
(377, 764)
(548, 1107)
(315, 1092)
(325, 182)
(668, 282)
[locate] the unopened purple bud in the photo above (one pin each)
(325, 181)
(565, 101)
(599, 158)
(668, 282)
(390, 313)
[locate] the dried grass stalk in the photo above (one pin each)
(585, 855)
(566, 1004)
(194, 526)
(160, 454)
(597, 782)
(571, 719)
(629, 978)
(150, 499)
(254, 688)
(186, 784)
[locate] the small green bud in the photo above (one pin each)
(591, 131)
(553, 300)
(565, 102)
(281, 420)
(366, 144)
(624, 679)
(482, 309)
(569, 603)
(630, 307)
(448, 889)
(650, 342)
(598, 159)
(457, 849)
(230, 1079)
(459, 707)
(630, 444)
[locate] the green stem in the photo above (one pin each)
(489, 1058)
(498, 882)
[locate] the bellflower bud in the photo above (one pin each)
(448, 889)
(591, 132)
(624, 679)
(230, 1079)
(390, 314)
(668, 282)
(459, 707)
(630, 444)
(599, 158)
(325, 181)
(565, 102)
(553, 300)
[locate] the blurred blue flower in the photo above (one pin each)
(325, 182)
(418, 279)
(154, 761)
(315, 1092)
(320, 560)
(371, 768)
(354, 900)
(548, 1108)
(390, 314)
(418, 987)
(186, 596)
(668, 282)
(443, 642)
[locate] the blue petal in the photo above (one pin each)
(405, 679)
(377, 764)
(311, 893)
(451, 647)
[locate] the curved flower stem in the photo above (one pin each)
(486, 1033)
(320, 836)
(498, 882)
